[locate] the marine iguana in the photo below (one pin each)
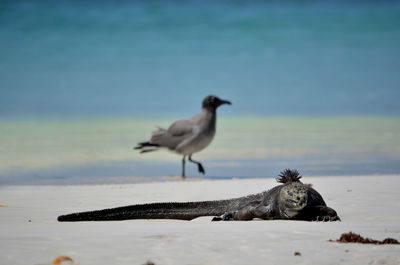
(292, 200)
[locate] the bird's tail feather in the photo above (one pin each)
(145, 147)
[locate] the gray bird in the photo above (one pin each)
(187, 137)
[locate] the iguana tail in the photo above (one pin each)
(165, 210)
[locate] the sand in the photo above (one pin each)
(30, 233)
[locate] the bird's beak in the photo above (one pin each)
(221, 102)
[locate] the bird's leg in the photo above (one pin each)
(200, 166)
(183, 166)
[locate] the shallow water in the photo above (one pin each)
(101, 151)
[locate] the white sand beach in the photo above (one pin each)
(30, 233)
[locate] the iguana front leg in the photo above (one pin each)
(318, 213)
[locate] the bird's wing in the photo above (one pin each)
(176, 133)
(181, 128)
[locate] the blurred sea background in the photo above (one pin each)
(315, 85)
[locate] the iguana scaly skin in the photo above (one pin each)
(292, 200)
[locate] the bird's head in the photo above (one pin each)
(213, 102)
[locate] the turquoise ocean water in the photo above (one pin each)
(315, 85)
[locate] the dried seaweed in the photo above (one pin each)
(356, 238)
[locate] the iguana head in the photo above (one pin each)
(293, 198)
